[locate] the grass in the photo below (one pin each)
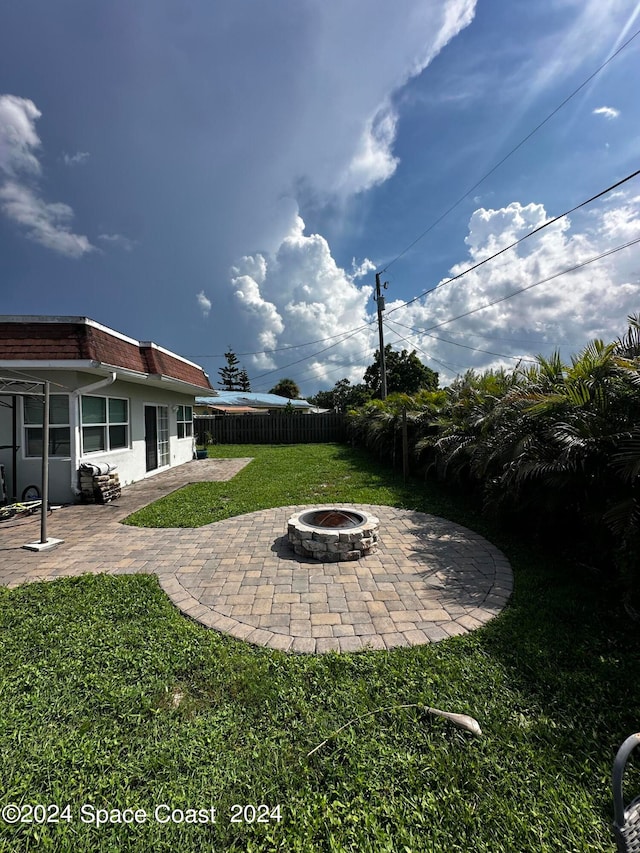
(111, 697)
(280, 475)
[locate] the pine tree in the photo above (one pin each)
(245, 384)
(230, 374)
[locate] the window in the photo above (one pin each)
(185, 421)
(105, 424)
(59, 434)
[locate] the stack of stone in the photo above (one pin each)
(334, 545)
(98, 488)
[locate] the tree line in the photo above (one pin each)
(405, 372)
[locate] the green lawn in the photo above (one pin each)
(109, 697)
(281, 475)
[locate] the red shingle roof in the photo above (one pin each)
(80, 339)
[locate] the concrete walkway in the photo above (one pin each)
(429, 580)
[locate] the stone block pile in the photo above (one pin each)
(98, 488)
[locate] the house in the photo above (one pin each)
(113, 400)
(247, 402)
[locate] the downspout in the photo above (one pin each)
(74, 428)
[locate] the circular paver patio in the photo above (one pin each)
(429, 580)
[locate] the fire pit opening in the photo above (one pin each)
(332, 518)
(333, 534)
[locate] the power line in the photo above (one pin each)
(428, 356)
(535, 284)
(496, 302)
(406, 340)
(343, 366)
(526, 341)
(513, 150)
(488, 305)
(450, 367)
(517, 242)
(446, 213)
(464, 346)
(307, 357)
(283, 349)
(346, 335)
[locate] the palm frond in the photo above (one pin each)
(628, 346)
(623, 518)
(626, 459)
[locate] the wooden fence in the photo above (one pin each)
(270, 429)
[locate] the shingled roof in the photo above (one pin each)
(79, 339)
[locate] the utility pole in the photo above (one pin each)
(383, 367)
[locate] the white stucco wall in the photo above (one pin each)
(130, 462)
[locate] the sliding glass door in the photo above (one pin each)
(156, 436)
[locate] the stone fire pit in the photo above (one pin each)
(333, 534)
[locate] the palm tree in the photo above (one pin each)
(555, 445)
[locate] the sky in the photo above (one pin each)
(231, 174)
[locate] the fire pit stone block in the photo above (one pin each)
(333, 543)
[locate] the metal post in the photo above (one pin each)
(45, 466)
(383, 366)
(14, 448)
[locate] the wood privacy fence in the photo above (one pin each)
(270, 429)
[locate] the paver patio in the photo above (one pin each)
(429, 580)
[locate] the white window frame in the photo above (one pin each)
(105, 425)
(53, 426)
(184, 422)
(164, 436)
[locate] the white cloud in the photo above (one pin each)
(18, 136)
(118, 240)
(362, 269)
(254, 266)
(75, 159)
(335, 138)
(338, 132)
(571, 309)
(47, 224)
(301, 295)
(607, 112)
(204, 303)
(373, 162)
(261, 315)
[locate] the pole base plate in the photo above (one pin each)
(43, 546)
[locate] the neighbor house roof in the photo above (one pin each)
(79, 342)
(248, 398)
(235, 410)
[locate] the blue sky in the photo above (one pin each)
(231, 174)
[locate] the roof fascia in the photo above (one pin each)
(159, 380)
